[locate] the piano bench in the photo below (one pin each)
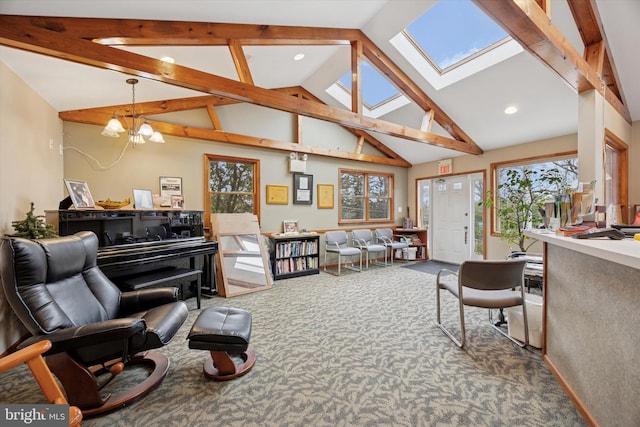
(156, 277)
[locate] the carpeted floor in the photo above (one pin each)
(361, 349)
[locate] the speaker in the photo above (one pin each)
(65, 203)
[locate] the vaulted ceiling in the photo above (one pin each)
(240, 51)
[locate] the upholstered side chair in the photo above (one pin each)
(486, 284)
(363, 240)
(384, 236)
(336, 242)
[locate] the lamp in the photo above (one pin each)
(141, 130)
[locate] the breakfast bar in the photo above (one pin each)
(591, 323)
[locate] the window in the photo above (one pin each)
(451, 32)
(365, 196)
(379, 95)
(522, 187)
(477, 187)
(616, 168)
(232, 185)
(376, 89)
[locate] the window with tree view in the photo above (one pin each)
(233, 185)
(365, 196)
(522, 189)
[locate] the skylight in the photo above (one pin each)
(453, 40)
(379, 96)
(453, 31)
(375, 88)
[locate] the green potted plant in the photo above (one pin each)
(33, 227)
(523, 192)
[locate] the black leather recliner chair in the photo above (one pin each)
(57, 291)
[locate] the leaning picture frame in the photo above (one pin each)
(169, 186)
(80, 194)
(142, 199)
(290, 226)
(177, 202)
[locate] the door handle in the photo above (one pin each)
(466, 233)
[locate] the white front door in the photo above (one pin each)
(452, 234)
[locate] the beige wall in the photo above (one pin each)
(630, 134)
(469, 163)
(29, 170)
(141, 167)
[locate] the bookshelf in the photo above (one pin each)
(294, 255)
(417, 238)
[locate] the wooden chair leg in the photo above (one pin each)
(82, 386)
(221, 367)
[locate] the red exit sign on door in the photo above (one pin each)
(444, 167)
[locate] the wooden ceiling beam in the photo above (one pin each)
(597, 51)
(55, 44)
(396, 76)
(240, 62)
(139, 32)
(143, 32)
(527, 23)
(100, 115)
(101, 118)
(371, 140)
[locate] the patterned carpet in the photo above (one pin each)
(361, 349)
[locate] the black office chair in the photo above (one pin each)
(59, 294)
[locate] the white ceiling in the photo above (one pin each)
(547, 106)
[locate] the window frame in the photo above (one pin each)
(366, 219)
(255, 163)
(515, 163)
(619, 185)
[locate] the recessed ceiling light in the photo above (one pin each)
(511, 109)
(168, 59)
(298, 57)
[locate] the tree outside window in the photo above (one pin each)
(522, 190)
(233, 185)
(366, 196)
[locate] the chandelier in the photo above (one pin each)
(141, 130)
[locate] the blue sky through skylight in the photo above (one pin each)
(375, 87)
(452, 30)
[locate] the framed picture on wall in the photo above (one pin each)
(277, 195)
(80, 194)
(302, 189)
(325, 196)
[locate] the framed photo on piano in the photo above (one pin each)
(169, 186)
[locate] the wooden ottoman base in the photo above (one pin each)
(225, 333)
